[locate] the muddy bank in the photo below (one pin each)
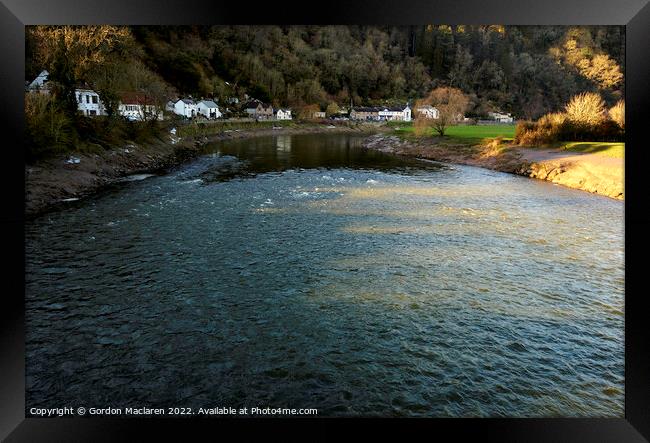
(587, 172)
(50, 183)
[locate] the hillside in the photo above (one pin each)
(526, 70)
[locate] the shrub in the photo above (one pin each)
(617, 113)
(586, 109)
(48, 129)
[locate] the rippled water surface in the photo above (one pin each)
(305, 272)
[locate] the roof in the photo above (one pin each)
(378, 108)
(209, 103)
(136, 98)
(187, 101)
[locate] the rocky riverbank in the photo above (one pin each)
(52, 182)
(587, 172)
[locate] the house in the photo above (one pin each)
(378, 113)
(319, 114)
(500, 117)
(185, 107)
(364, 113)
(88, 102)
(282, 114)
(138, 107)
(208, 109)
(258, 110)
(39, 84)
(428, 111)
(395, 113)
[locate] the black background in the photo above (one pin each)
(635, 14)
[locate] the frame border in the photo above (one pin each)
(634, 14)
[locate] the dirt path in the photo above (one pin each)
(590, 172)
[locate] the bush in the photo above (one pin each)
(585, 119)
(586, 109)
(617, 113)
(48, 129)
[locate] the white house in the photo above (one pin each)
(89, 103)
(428, 111)
(208, 109)
(138, 107)
(395, 113)
(501, 117)
(185, 107)
(282, 114)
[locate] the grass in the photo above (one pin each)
(607, 149)
(466, 133)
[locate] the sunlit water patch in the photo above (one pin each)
(306, 272)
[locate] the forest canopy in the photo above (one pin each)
(526, 70)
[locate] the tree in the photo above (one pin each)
(307, 112)
(332, 109)
(586, 109)
(451, 104)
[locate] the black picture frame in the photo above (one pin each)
(634, 14)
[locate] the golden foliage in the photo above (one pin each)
(617, 113)
(587, 108)
(85, 46)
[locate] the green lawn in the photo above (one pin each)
(471, 133)
(615, 150)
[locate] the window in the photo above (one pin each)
(88, 99)
(92, 112)
(94, 99)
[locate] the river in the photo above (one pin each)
(305, 272)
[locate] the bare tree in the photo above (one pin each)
(451, 104)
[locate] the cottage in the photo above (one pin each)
(185, 107)
(395, 113)
(258, 110)
(89, 103)
(428, 111)
(319, 114)
(364, 113)
(138, 107)
(282, 114)
(500, 117)
(40, 84)
(208, 109)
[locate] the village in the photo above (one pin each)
(136, 106)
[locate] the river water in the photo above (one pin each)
(305, 272)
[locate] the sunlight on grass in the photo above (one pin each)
(614, 150)
(471, 133)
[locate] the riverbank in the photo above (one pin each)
(58, 180)
(585, 171)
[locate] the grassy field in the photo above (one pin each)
(469, 133)
(614, 150)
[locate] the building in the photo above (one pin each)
(364, 113)
(319, 114)
(500, 117)
(395, 113)
(39, 84)
(186, 108)
(208, 109)
(378, 113)
(138, 107)
(428, 111)
(89, 103)
(258, 110)
(282, 114)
